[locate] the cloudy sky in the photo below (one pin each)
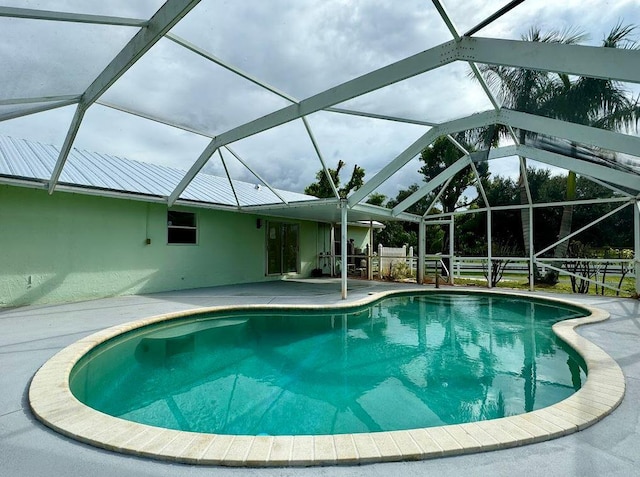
(299, 47)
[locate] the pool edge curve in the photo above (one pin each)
(53, 404)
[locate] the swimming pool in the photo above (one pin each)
(403, 362)
(432, 330)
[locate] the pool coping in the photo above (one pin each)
(53, 404)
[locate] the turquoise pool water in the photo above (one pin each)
(400, 363)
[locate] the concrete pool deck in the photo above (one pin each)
(31, 335)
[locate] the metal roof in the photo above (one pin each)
(32, 161)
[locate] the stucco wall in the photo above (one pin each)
(69, 247)
(360, 236)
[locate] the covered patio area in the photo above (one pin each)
(30, 449)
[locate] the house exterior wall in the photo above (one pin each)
(69, 247)
(360, 236)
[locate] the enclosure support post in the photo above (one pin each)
(531, 252)
(452, 240)
(636, 245)
(332, 249)
(370, 252)
(422, 246)
(343, 247)
(489, 241)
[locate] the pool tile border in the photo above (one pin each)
(54, 405)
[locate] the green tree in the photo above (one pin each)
(441, 154)
(399, 233)
(376, 198)
(322, 187)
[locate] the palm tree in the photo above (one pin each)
(590, 101)
(529, 91)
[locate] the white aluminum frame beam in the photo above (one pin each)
(41, 99)
(524, 175)
(616, 64)
(257, 176)
(319, 154)
(462, 149)
(582, 229)
(66, 146)
(480, 186)
(587, 169)
(457, 125)
(404, 69)
(489, 249)
(598, 62)
(493, 17)
(583, 134)
(385, 214)
(393, 166)
(495, 208)
(581, 167)
(262, 84)
(194, 131)
(454, 32)
(170, 13)
(343, 247)
(385, 117)
(243, 74)
(226, 171)
(153, 118)
(613, 141)
(373, 212)
(437, 197)
(575, 275)
(430, 186)
(610, 186)
(446, 18)
(32, 14)
(37, 109)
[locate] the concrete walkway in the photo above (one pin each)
(29, 336)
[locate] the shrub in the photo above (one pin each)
(401, 270)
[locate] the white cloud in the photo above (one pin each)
(300, 47)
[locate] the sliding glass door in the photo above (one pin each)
(283, 245)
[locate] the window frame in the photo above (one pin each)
(171, 227)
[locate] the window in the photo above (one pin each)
(181, 227)
(282, 248)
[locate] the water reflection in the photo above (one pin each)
(404, 362)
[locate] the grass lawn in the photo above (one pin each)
(563, 286)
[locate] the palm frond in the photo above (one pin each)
(620, 36)
(568, 36)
